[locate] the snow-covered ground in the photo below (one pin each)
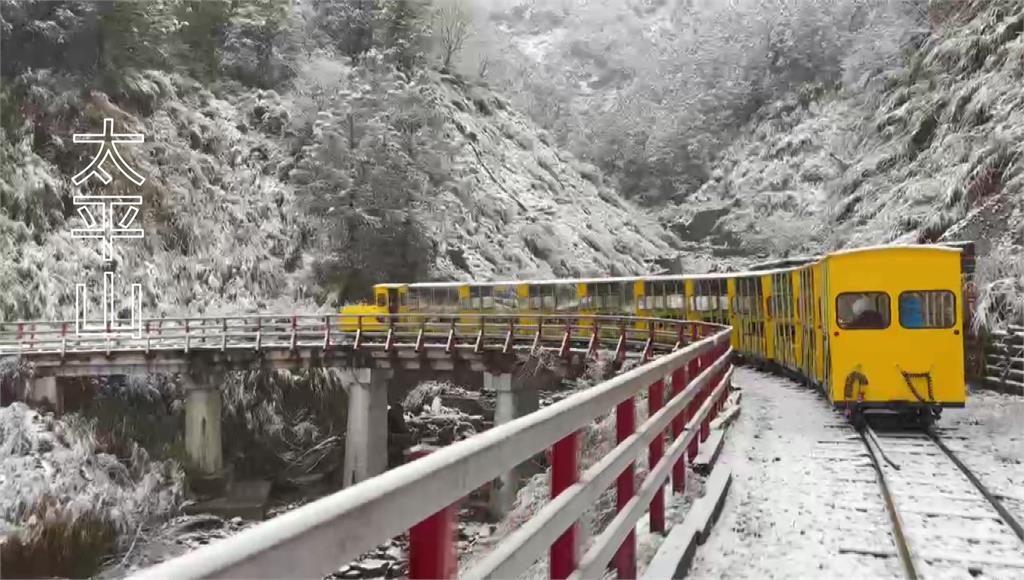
(801, 493)
(805, 502)
(992, 427)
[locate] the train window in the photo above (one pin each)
(535, 301)
(744, 304)
(587, 302)
(863, 310)
(674, 300)
(566, 297)
(504, 298)
(382, 300)
(548, 297)
(626, 298)
(927, 309)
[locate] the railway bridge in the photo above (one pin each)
(683, 368)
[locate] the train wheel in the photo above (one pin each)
(926, 418)
(858, 420)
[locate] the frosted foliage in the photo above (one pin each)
(283, 422)
(921, 148)
(256, 200)
(652, 91)
(220, 227)
(1000, 282)
(496, 198)
(42, 457)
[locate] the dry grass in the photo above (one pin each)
(56, 544)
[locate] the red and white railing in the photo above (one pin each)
(318, 538)
(327, 332)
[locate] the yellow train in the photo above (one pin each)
(874, 328)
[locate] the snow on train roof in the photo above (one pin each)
(672, 277)
(609, 280)
(917, 247)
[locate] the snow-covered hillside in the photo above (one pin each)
(796, 125)
(928, 151)
(269, 196)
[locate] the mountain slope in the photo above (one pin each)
(339, 174)
(930, 150)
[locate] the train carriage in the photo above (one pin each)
(872, 327)
(894, 337)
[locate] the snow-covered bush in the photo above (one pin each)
(66, 505)
(284, 425)
(999, 278)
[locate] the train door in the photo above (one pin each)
(393, 301)
(767, 317)
(797, 321)
(825, 312)
(739, 312)
(860, 324)
(819, 321)
(781, 311)
(730, 312)
(744, 309)
(808, 327)
(931, 364)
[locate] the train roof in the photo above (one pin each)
(780, 266)
(915, 247)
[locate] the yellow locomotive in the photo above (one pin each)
(874, 328)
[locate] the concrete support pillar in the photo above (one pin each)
(366, 437)
(512, 401)
(203, 429)
(43, 390)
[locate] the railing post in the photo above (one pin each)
(692, 370)
(327, 332)
(678, 426)
(389, 342)
(432, 541)
(655, 400)
(564, 473)
(625, 487)
(509, 336)
(620, 348)
(564, 351)
(720, 401)
(450, 344)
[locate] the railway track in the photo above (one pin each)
(944, 521)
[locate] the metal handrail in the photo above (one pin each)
(262, 332)
(315, 539)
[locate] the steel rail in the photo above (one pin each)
(312, 540)
(992, 499)
(902, 545)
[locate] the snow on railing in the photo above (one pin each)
(316, 539)
(477, 332)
